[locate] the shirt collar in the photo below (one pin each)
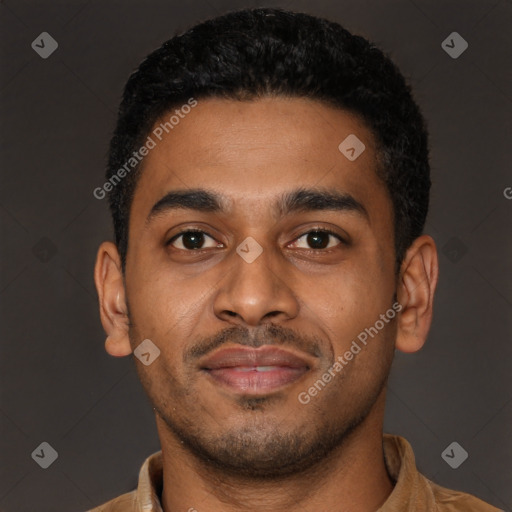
(411, 492)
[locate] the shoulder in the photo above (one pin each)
(124, 503)
(449, 500)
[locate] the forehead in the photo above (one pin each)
(253, 152)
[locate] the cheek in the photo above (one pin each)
(366, 359)
(348, 300)
(168, 312)
(160, 298)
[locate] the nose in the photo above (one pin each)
(256, 292)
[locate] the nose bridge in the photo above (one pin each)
(255, 286)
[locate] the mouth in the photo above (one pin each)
(255, 371)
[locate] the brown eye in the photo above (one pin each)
(319, 239)
(192, 240)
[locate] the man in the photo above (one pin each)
(269, 183)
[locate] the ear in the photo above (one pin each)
(417, 283)
(108, 278)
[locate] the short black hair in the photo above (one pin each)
(255, 53)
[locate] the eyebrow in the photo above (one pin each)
(298, 200)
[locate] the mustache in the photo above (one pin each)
(268, 334)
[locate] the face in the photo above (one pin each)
(252, 292)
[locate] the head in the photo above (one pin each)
(244, 223)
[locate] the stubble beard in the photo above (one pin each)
(262, 449)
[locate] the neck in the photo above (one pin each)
(353, 477)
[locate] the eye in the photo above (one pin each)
(192, 240)
(318, 239)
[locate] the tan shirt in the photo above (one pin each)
(412, 492)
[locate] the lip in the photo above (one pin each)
(255, 371)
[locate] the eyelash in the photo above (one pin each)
(313, 230)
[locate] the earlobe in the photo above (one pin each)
(416, 288)
(109, 282)
(117, 347)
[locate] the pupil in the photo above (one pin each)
(192, 240)
(314, 237)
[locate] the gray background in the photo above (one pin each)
(58, 383)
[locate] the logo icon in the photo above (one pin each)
(454, 455)
(44, 45)
(249, 249)
(351, 147)
(45, 455)
(146, 352)
(454, 45)
(44, 250)
(454, 249)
